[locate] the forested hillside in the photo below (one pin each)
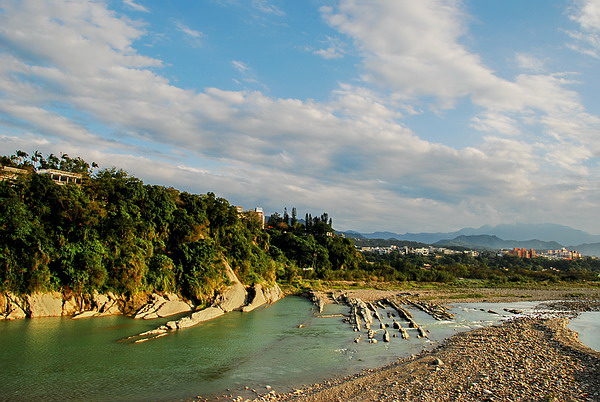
(115, 233)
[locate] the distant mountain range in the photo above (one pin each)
(495, 243)
(537, 236)
(545, 232)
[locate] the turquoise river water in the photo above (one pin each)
(64, 359)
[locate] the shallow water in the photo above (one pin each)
(587, 324)
(65, 359)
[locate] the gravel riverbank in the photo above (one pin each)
(524, 359)
(532, 359)
(475, 295)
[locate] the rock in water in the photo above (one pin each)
(404, 333)
(196, 318)
(171, 307)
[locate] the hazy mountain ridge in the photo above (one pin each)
(494, 243)
(518, 232)
(545, 236)
(587, 249)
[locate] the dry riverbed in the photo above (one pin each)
(533, 359)
(474, 295)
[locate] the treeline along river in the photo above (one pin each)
(281, 346)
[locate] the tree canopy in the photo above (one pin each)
(114, 233)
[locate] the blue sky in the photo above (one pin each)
(403, 115)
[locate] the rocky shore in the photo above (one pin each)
(526, 358)
(523, 359)
(472, 295)
(140, 306)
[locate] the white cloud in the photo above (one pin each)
(266, 7)
(187, 30)
(247, 74)
(530, 63)
(134, 6)
(70, 72)
(334, 49)
(414, 49)
(495, 122)
(329, 53)
(241, 66)
(587, 14)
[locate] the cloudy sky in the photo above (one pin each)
(402, 115)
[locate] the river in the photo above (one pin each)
(281, 346)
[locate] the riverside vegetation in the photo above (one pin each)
(113, 233)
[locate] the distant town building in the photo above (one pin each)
(11, 173)
(562, 254)
(522, 252)
(472, 253)
(424, 251)
(421, 251)
(258, 212)
(261, 215)
(58, 176)
(61, 177)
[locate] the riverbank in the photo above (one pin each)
(472, 294)
(529, 358)
(522, 359)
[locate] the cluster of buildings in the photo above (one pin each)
(58, 176)
(423, 251)
(562, 254)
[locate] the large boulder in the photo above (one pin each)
(71, 306)
(45, 304)
(160, 306)
(273, 294)
(171, 307)
(13, 308)
(101, 305)
(196, 318)
(3, 305)
(263, 295)
(110, 304)
(234, 296)
(258, 299)
(149, 310)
